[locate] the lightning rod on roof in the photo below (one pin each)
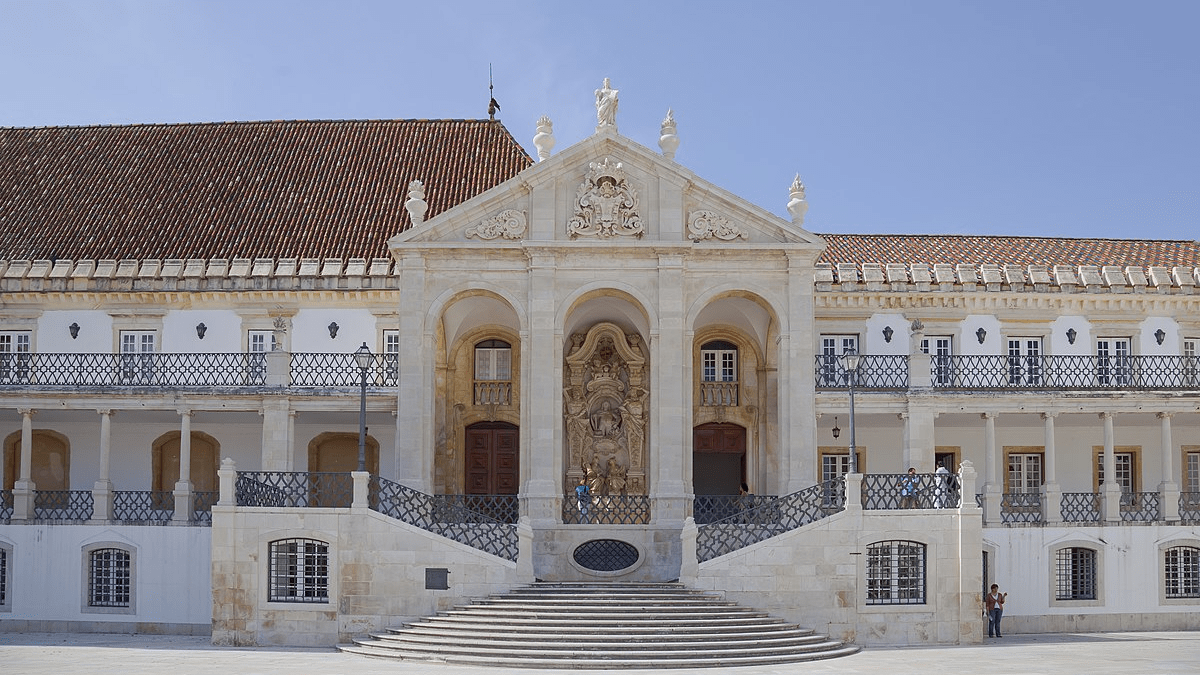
(493, 107)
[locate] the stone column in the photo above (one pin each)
(1111, 488)
(670, 443)
(919, 440)
(994, 488)
(797, 404)
(183, 488)
(277, 454)
(102, 491)
(24, 488)
(414, 384)
(1051, 491)
(1169, 487)
(542, 442)
(227, 478)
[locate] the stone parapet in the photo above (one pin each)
(903, 277)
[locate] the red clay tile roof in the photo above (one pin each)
(304, 189)
(977, 250)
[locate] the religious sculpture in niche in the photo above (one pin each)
(708, 224)
(509, 223)
(605, 204)
(605, 412)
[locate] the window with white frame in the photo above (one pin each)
(896, 573)
(718, 361)
(110, 578)
(1075, 573)
(1113, 362)
(14, 356)
(137, 356)
(1024, 472)
(1191, 471)
(493, 372)
(833, 367)
(259, 342)
(298, 571)
(1025, 361)
(391, 357)
(1181, 570)
(940, 348)
(1126, 477)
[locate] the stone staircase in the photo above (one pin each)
(602, 626)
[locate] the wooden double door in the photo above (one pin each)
(718, 458)
(492, 459)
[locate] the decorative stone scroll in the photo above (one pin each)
(606, 411)
(605, 204)
(509, 223)
(704, 225)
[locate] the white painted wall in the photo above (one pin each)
(224, 334)
(310, 330)
(95, 332)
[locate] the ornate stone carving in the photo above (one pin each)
(797, 205)
(543, 140)
(704, 225)
(605, 204)
(416, 202)
(668, 140)
(509, 223)
(606, 412)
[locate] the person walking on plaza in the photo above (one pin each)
(993, 604)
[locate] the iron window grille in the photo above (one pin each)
(299, 571)
(109, 578)
(1182, 572)
(896, 573)
(1075, 574)
(3, 576)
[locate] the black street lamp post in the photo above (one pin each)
(852, 359)
(363, 359)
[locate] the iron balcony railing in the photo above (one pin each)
(875, 371)
(1139, 507)
(768, 517)
(1189, 507)
(1066, 372)
(6, 504)
(143, 506)
(606, 510)
(1021, 507)
(63, 505)
(447, 517)
(1080, 507)
(202, 503)
(918, 491)
(341, 371)
(500, 508)
(285, 489)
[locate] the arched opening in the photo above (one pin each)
(337, 452)
(51, 460)
(165, 462)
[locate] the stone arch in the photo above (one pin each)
(571, 314)
(337, 452)
(206, 458)
(51, 460)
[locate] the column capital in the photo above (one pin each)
(107, 412)
(1050, 415)
(989, 415)
(902, 416)
(27, 412)
(1164, 415)
(185, 412)
(1106, 414)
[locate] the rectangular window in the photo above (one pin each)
(833, 468)
(108, 578)
(299, 571)
(1024, 472)
(14, 356)
(1182, 572)
(260, 342)
(1025, 361)
(137, 356)
(391, 358)
(1075, 574)
(1191, 362)
(1113, 362)
(1191, 472)
(941, 349)
(493, 363)
(896, 573)
(833, 371)
(719, 365)
(1126, 476)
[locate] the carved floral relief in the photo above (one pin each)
(509, 224)
(704, 225)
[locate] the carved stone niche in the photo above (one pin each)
(606, 205)
(607, 406)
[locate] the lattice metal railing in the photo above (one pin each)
(63, 505)
(283, 489)
(875, 371)
(341, 370)
(143, 506)
(444, 517)
(6, 504)
(606, 510)
(1080, 507)
(765, 520)
(711, 508)
(1140, 507)
(136, 370)
(1066, 372)
(501, 508)
(902, 491)
(202, 503)
(1189, 507)
(1021, 507)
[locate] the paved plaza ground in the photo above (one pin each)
(1055, 654)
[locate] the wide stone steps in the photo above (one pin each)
(602, 626)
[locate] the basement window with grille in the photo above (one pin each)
(606, 555)
(109, 571)
(298, 571)
(896, 573)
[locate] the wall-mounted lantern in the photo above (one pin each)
(1071, 335)
(887, 334)
(333, 329)
(74, 328)
(1160, 335)
(981, 334)
(201, 329)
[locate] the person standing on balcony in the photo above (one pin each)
(993, 604)
(942, 489)
(908, 489)
(584, 497)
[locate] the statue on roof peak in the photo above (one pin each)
(606, 106)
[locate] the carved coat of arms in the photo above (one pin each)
(606, 205)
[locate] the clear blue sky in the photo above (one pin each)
(1068, 118)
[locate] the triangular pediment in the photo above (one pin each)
(609, 189)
